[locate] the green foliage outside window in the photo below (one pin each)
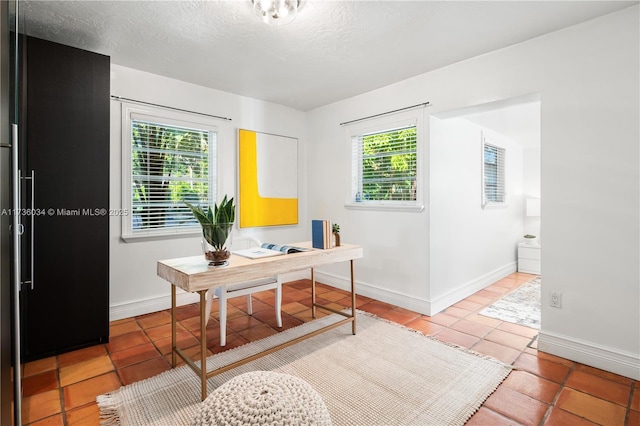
(389, 165)
(169, 165)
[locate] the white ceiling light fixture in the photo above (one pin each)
(276, 12)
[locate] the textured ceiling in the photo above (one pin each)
(332, 51)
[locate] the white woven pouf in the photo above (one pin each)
(263, 398)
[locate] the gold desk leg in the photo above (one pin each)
(173, 326)
(203, 342)
(353, 298)
(313, 293)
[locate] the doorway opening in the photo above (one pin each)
(475, 243)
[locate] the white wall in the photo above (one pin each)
(587, 76)
(471, 246)
(134, 287)
(395, 266)
(531, 188)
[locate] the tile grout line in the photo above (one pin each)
(563, 385)
(63, 411)
(634, 389)
(522, 351)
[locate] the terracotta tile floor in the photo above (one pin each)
(543, 390)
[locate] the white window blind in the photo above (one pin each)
(166, 162)
(385, 166)
(493, 174)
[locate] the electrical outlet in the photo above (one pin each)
(555, 299)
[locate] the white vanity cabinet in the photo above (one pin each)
(529, 258)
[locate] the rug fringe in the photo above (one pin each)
(492, 389)
(108, 410)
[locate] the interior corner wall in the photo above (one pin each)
(587, 78)
(472, 246)
(134, 287)
(531, 188)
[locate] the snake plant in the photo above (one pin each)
(217, 223)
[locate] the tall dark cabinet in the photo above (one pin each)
(64, 297)
(6, 239)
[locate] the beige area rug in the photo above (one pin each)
(384, 375)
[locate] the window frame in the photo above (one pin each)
(389, 123)
(132, 112)
(501, 172)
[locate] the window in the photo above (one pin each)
(167, 161)
(493, 189)
(385, 165)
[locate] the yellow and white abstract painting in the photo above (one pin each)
(268, 179)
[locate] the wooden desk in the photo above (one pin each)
(193, 274)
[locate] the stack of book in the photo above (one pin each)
(321, 234)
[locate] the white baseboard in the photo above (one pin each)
(588, 353)
(159, 303)
(146, 306)
(395, 298)
(423, 306)
(465, 290)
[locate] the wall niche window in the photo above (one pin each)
(493, 182)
